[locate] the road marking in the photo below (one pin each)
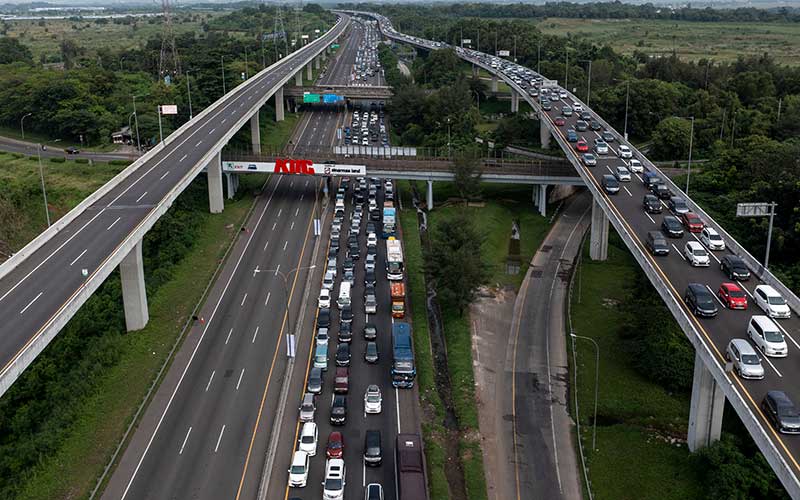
(678, 252)
(224, 120)
(228, 337)
(787, 334)
(183, 158)
(142, 196)
(651, 219)
(243, 299)
(303, 194)
(397, 405)
(266, 245)
(78, 257)
(626, 190)
(280, 211)
(198, 143)
(363, 473)
(297, 210)
(291, 227)
(745, 289)
(212, 130)
(165, 174)
(240, 379)
(211, 377)
(277, 269)
(285, 243)
(255, 334)
(31, 303)
(274, 225)
(221, 431)
(715, 296)
(112, 224)
(269, 294)
(766, 358)
(184, 440)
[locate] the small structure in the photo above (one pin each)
(122, 136)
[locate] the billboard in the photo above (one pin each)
(332, 98)
(466, 41)
(168, 109)
(294, 166)
(309, 97)
(503, 53)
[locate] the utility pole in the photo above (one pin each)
(22, 126)
(515, 48)
(222, 61)
(189, 93)
(495, 43)
(780, 101)
(160, 130)
(44, 191)
(689, 171)
(772, 206)
(539, 56)
(246, 74)
(136, 121)
(627, 100)
(566, 66)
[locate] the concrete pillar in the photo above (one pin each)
(705, 411)
(215, 199)
(309, 71)
(298, 78)
(232, 181)
(598, 243)
(429, 197)
(475, 71)
(494, 83)
(134, 294)
(279, 114)
(316, 62)
(255, 133)
(544, 134)
(514, 102)
(542, 200)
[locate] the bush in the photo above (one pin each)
(81, 160)
(58, 160)
(119, 162)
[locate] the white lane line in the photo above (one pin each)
(363, 473)
(711, 253)
(183, 158)
(678, 252)
(787, 334)
(285, 243)
(184, 440)
(302, 194)
(221, 431)
(274, 225)
(715, 296)
(78, 257)
(210, 379)
(112, 224)
(626, 190)
(243, 299)
(266, 245)
(765, 358)
(142, 196)
(277, 269)
(744, 288)
(651, 219)
(198, 143)
(31, 303)
(224, 120)
(240, 379)
(269, 294)
(280, 211)
(165, 174)
(228, 337)
(212, 130)
(397, 407)
(291, 227)
(254, 336)
(297, 210)
(609, 170)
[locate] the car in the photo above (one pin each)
(582, 146)
(711, 239)
(581, 126)
(298, 470)
(308, 407)
(349, 276)
(335, 446)
(314, 384)
(696, 254)
(734, 267)
(636, 166)
(72, 150)
(610, 184)
(562, 94)
(341, 380)
(656, 243)
(782, 412)
(622, 174)
(372, 240)
(321, 357)
(328, 280)
(651, 204)
(339, 410)
(346, 314)
(369, 262)
(572, 136)
(577, 106)
(661, 190)
(324, 298)
(745, 359)
(369, 278)
(560, 121)
(345, 332)
(607, 136)
(371, 352)
(370, 331)
(370, 304)
(650, 178)
(732, 296)
(586, 116)
(677, 205)
(700, 300)
(324, 318)
(600, 146)
(334, 483)
(766, 335)
(566, 110)
(374, 491)
(589, 159)
(692, 222)
(331, 265)
(348, 264)
(595, 125)
(343, 354)
(624, 152)
(322, 336)
(308, 438)
(372, 399)
(672, 227)
(546, 105)
(373, 453)
(771, 302)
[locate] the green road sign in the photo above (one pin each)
(334, 45)
(310, 97)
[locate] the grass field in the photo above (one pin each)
(635, 457)
(691, 40)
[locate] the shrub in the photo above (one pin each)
(58, 160)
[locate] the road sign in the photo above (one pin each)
(334, 45)
(503, 53)
(331, 98)
(291, 345)
(168, 109)
(752, 209)
(309, 97)
(466, 41)
(304, 37)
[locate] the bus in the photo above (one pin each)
(394, 259)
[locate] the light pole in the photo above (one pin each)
(120, 63)
(189, 92)
(588, 80)
(136, 121)
(596, 381)
(689, 167)
(539, 56)
(246, 74)
(21, 124)
(627, 101)
(222, 64)
(515, 48)
(285, 281)
(448, 138)
(44, 190)
(129, 122)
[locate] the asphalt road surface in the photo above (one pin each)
(30, 148)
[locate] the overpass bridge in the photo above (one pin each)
(47, 281)
(714, 381)
(350, 92)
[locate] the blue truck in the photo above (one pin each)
(403, 369)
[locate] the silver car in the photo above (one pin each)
(745, 359)
(308, 408)
(623, 174)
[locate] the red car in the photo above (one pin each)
(732, 296)
(583, 147)
(560, 121)
(335, 448)
(692, 222)
(341, 381)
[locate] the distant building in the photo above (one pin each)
(122, 136)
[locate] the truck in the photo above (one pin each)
(410, 468)
(403, 369)
(394, 259)
(389, 222)
(398, 291)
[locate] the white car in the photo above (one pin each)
(324, 298)
(333, 486)
(625, 152)
(767, 337)
(322, 336)
(623, 174)
(327, 281)
(636, 166)
(711, 238)
(309, 435)
(695, 254)
(372, 240)
(562, 94)
(369, 262)
(331, 266)
(771, 302)
(373, 400)
(601, 147)
(298, 471)
(576, 106)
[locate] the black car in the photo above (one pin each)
(734, 267)
(782, 412)
(353, 252)
(581, 126)
(345, 332)
(700, 300)
(370, 331)
(346, 314)
(372, 447)
(651, 204)
(661, 190)
(333, 252)
(371, 352)
(672, 227)
(369, 278)
(607, 136)
(324, 318)
(375, 215)
(656, 243)
(339, 410)
(352, 239)
(586, 116)
(72, 150)
(369, 290)
(372, 250)
(595, 125)
(343, 354)
(348, 265)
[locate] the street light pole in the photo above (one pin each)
(22, 126)
(772, 206)
(539, 56)
(448, 138)
(689, 170)
(222, 63)
(189, 92)
(136, 121)
(44, 190)
(596, 381)
(627, 100)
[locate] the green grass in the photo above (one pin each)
(274, 135)
(692, 40)
(635, 416)
(31, 136)
(472, 460)
(435, 456)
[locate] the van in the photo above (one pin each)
(372, 448)
(656, 243)
(766, 335)
(321, 357)
(610, 184)
(344, 294)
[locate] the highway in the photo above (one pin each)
(675, 273)
(37, 292)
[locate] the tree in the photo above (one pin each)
(467, 175)
(69, 51)
(456, 261)
(671, 139)
(11, 50)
